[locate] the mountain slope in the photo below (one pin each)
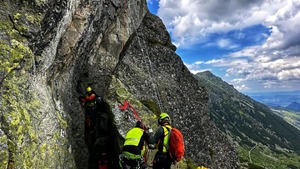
(288, 115)
(248, 122)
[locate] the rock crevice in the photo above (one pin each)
(122, 51)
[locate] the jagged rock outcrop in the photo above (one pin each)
(51, 50)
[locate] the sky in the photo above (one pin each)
(252, 44)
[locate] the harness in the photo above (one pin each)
(126, 156)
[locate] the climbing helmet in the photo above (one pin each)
(163, 117)
(88, 89)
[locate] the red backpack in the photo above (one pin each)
(176, 145)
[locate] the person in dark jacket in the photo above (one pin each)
(162, 159)
(134, 147)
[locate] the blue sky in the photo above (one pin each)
(253, 45)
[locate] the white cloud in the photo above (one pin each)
(283, 64)
(192, 20)
(270, 84)
(189, 20)
(197, 71)
(199, 62)
(216, 62)
(247, 52)
(274, 64)
(226, 43)
(227, 62)
(293, 74)
(196, 67)
(237, 81)
(279, 85)
(263, 69)
(242, 87)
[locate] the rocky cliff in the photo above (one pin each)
(51, 50)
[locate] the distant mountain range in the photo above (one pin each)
(252, 126)
(275, 99)
(293, 106)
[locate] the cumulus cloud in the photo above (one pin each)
(195, 67)
(226, 43)
(242, 87)
(191, 20)
(228, 62)
(284, 24)
(273, 64)
(293, 74)
(237, 81)
(271, 73)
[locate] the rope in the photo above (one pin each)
(125, 106)
(147, 54)
(150, 72)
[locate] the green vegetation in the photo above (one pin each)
(249, 123)
(190, 164)
(264, 157)
(291, 117)
(254, 166)
(152, 105)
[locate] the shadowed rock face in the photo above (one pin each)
(52, 50)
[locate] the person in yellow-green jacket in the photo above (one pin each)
(162, 159)
(134, 146)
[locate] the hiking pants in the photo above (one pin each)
(162, 161)
(91, 112)
(133, 163)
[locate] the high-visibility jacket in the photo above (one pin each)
(134, 141)
(166, 139)
(133, 136)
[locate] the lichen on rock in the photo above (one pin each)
(50, 51)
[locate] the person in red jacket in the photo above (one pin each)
(89, 104)
(90, 99)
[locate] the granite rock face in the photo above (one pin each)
(52, 50)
